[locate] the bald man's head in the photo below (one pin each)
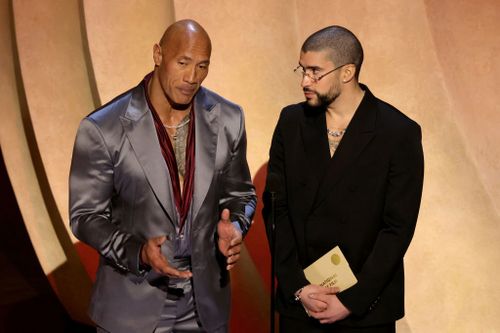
(182, 58)
(185, 31)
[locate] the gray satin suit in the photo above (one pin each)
(121, 195)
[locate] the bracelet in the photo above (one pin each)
(297, 294)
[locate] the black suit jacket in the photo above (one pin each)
(365, 199)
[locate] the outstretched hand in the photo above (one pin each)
(151, 255)
(230, 239)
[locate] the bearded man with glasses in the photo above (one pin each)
(346, 170)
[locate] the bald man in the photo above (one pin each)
(160, 187)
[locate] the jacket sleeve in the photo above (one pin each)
(91, 190)
(238, 192)
(402, 203)
(289, 272)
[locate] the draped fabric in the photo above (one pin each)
(182, 199)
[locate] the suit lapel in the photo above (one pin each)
(141, 132)
(314, 162)
(359, 133)
(206, 129)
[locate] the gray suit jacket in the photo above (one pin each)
(121, 195)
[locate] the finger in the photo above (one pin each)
(236, 241)
(223, 247)
(320, 315)
(318, 297)
(314, 314)
(159, 264)
(234, 249)
(172, 272)
(159, 240)
(332, 290)
(233, 252)
(165, 269)
(224, 216)
(312, 288)
(233, 258)
(318, 306)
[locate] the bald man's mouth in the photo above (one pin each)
(187, 91)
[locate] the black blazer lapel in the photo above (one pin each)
(359, 133)
(314, 160)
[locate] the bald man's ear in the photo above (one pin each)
(348, 73)
(157, 54)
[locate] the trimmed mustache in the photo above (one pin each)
(305, 89)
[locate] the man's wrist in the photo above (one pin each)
(299, 300)
(297, 294)
(237, 226)
(143, 267)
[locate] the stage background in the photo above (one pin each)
(437, 61)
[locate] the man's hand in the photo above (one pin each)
(335, 309)
(230, 239)
(151, 255)
(314, 305)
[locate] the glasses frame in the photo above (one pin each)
(300, 70)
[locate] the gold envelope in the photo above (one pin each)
(331, 270)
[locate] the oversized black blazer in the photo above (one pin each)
(364, 199)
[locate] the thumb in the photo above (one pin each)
(224, 216)
(160, 240)
(333, 290)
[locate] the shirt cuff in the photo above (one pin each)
(237, 226)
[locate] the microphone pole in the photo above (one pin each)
(272, 250)
(269, 212)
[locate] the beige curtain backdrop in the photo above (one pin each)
(437, 61)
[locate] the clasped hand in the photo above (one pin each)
(323, 304)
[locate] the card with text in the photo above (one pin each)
(331, 270)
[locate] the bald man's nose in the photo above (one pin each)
(190, 75)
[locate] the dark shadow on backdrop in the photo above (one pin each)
(27, 302)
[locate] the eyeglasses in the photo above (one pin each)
(314, 78)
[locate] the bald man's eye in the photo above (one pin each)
(182, 63)
(203, 66)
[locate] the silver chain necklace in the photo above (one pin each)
(335, 134)
(182, 123)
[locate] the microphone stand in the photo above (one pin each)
(272, 250)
